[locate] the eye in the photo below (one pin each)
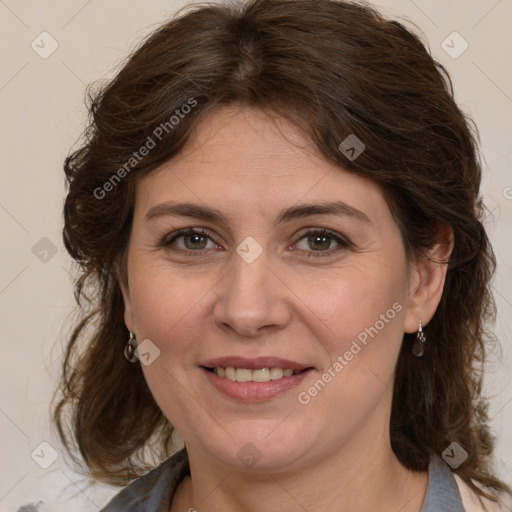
(318, 242)
(189, 240)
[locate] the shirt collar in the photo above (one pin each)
(442, 491)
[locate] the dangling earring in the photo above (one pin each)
(418, 349)
(130, 349)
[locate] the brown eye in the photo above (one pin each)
(194, 241)
(188, 240)
(318, 243)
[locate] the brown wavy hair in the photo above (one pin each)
(333, 68)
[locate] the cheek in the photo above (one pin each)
(164, 304)
(363, 302)
(363, 309)
(167, 309)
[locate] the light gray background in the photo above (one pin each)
(42, 114)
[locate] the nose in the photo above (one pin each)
(252, 298)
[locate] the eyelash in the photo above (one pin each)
(169, 239)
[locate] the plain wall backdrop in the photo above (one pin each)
(49, 52)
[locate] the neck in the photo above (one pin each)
(363, 477)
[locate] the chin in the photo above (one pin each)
(260, 452)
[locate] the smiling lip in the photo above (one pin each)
(255, 363)
(254, 391)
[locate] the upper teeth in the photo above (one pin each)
(247, 375)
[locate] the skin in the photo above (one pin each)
(334, 452)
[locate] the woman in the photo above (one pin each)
(277, 218)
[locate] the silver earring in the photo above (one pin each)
(418, 349)
(130, 349)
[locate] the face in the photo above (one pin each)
(262, 283)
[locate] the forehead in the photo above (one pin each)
(244, 160)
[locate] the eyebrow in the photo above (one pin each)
(295, 212)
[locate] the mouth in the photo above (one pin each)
(254, 380)
(266, 374)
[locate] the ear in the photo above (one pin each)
(427, 280)
(122, 279)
